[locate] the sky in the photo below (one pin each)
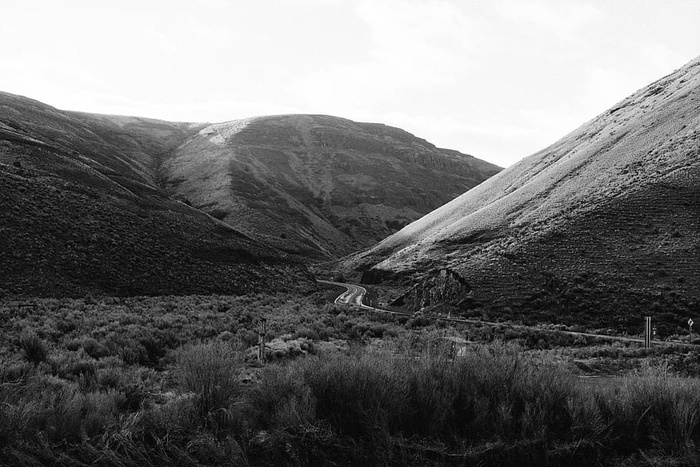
(497, 79)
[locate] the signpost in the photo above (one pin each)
(647, 332)
(690, 330)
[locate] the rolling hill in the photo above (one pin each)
(315, 185)
(133, 205)
(601, 227)
(82, 211)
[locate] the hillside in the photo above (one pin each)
(316, 185)
(81, 211)
(601, 227)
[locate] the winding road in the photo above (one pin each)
(354, 295)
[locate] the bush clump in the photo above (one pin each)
(33, 349)
(211, 372)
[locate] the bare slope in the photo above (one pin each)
(602, 225)
(81, 211)
(317, 185)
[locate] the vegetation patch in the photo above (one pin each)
(176, 380)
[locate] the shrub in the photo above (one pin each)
(155, 349)
(133, 398)
(356, 395)
(212, 372)
(95, 349)
(378, 330)
(226, 336)
(249, 338)
(491, 393)
(279, 349)
(33, 349)
(73, 345)
(58, 410)
(109, 377)
(282, 400)
(654, 409)
(306, 333)
(72, 366)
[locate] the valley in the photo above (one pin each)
(161, 299)
(128, 205)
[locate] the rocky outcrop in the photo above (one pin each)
(444, 287)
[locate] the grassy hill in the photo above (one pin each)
(81, 211)
(317, 185)
(602, 226)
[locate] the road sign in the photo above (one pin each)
(690, 330)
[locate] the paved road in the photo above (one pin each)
(354, 294)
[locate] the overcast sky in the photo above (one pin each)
(498, 79)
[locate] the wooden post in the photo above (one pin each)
(261, 340)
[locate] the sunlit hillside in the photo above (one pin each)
(603, 223)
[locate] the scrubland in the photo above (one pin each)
(175, 381)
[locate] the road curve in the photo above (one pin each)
(354, 294)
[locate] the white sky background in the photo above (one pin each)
(498, 79)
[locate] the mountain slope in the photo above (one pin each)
(317, 185)
(81, 211)
(603, 225)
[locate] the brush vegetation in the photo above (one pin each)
(174, 381)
